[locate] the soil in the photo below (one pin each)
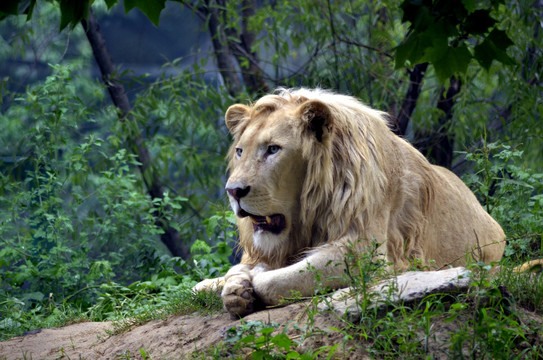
(178, 337)
(195, 336)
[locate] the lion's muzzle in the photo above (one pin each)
(274, 224)
(271, 223)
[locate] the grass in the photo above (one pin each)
(500, 317)
(186, 302)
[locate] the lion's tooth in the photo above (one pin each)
(268, 219)
(254, 220)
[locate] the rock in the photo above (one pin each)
(407, 287)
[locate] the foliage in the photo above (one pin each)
(486, 322)
(361, 48)
(512, 194)
(449, 34)
(260, 340)
(73, 11)
(77, 223)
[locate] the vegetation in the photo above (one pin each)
(92, 194)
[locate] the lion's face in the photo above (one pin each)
(268, 164)
(267, 173)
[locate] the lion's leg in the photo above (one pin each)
(274, 285)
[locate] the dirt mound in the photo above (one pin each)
(174, 338)
(316, 327)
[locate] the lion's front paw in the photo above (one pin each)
(237, 296)
(212, 285)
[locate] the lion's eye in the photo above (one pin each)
(239, 151)
(273, 149)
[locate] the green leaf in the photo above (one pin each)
(267, 330)
(479, 22)
(449, 61)
(417, 14)
(494, 48)
(282, 341)
(111, 3)
(412, 49)
(470, 5)
(17, 7)
(151, 8)
(72, 11)
(419, 44)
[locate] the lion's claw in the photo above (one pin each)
(238, 298)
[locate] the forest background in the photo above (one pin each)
(112, 140)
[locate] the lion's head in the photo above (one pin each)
(295, 174)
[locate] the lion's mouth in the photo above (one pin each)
(272, 223)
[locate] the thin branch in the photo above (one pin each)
(356, 43)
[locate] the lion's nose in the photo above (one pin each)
(237, 193)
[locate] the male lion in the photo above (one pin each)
(312, 173)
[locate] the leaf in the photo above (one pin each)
(267, 330)
(479, 22)
(417, 46)
(282, 341)
(72, 11)
(449, 61)
(151, 8)
(412, 49)
(417, 14)
(470, 5)
(494, 48)
(111, 3)
(37, 296)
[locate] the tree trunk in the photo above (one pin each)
(239, 46)
(438, 145)
(225, 62)
(411, 97)
(247, 59)
(170, 237)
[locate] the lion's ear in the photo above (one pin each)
(318, 117)
(235, 115)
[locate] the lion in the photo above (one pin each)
(313, 172)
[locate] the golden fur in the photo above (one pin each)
(326, 171)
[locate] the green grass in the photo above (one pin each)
(180, 302)
(499, 317)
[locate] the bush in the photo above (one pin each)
(78, 222)
(513, 195)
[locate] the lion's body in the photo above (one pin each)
(314, 172)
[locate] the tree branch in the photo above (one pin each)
(170, 237)
(356, 43)
(226, 65)
(251, 72)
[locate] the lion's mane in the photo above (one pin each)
(353, 175)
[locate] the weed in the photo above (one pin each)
(261, 341)
(513, 195)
